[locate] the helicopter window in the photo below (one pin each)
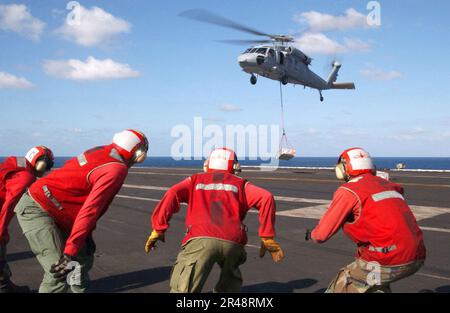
(253, 50)
(271, 53)
(261, 50)
(247, 51)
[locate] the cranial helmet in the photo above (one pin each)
(132, 145)
(40, 158)
(222, 159)
(353, 162)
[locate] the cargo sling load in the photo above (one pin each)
(286, 152)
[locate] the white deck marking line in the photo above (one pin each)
(439, 230)
(313, 180)
(304, 200)
(145, 187)
(138, 198)
(433, 276)
(278, 198)
(315, 212)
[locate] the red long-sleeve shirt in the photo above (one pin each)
(106, 182)
(15, 186)
(345, 206)
(256, 197)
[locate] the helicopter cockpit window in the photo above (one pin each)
(252, 50)
(261, 51)
(248, 50)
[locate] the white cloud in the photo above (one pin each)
(17, 18)
(91, 69)
(357, 45)
(379, 74)
(93, 26)
(318, 43)
(10, 81)
(321, 22)
(230, 108)
(408, 134)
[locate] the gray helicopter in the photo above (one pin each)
(273, 57)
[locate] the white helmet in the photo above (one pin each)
(132, 145)
(222, 159)
(353, 162)
(41, 159)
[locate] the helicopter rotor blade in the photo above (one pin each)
(211, 18)
(244, 42)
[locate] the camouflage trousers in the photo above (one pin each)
(196, 260)
(365, 277)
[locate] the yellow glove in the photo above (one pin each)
(268, 244)
(152, 239)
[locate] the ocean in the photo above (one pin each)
(412, 163)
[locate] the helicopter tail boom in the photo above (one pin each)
(331, 81)
(342, 85)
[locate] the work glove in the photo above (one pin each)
(62, 268)
(152, 239)
(269, 244)
(308, 235)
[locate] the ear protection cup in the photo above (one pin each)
(340, 171)
(41, 166)
(139, 156)
(237, 168)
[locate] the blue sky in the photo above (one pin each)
(165, 70)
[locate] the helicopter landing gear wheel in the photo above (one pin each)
(321, 97)
(284, 80)
(253, 80)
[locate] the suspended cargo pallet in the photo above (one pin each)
(286, 154)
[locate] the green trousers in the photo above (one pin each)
(196, 260)
(47, 242)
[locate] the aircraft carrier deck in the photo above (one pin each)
(121, 265)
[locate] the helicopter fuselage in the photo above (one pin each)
(282, 63)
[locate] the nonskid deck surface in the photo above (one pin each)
(121, 264)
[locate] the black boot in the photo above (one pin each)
(7, 286)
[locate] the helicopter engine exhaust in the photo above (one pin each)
(295, 52)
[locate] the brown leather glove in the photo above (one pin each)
(269, 244)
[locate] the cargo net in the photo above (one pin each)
(286, 152)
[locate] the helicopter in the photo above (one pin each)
(273, 57)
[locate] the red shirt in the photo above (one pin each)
(105, 182)
(344, 205)
(375, 215)
(256, 197)
(14, 185)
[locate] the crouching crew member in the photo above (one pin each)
(218, 202)
(16, 175)
(60, 211)
(375, 215)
